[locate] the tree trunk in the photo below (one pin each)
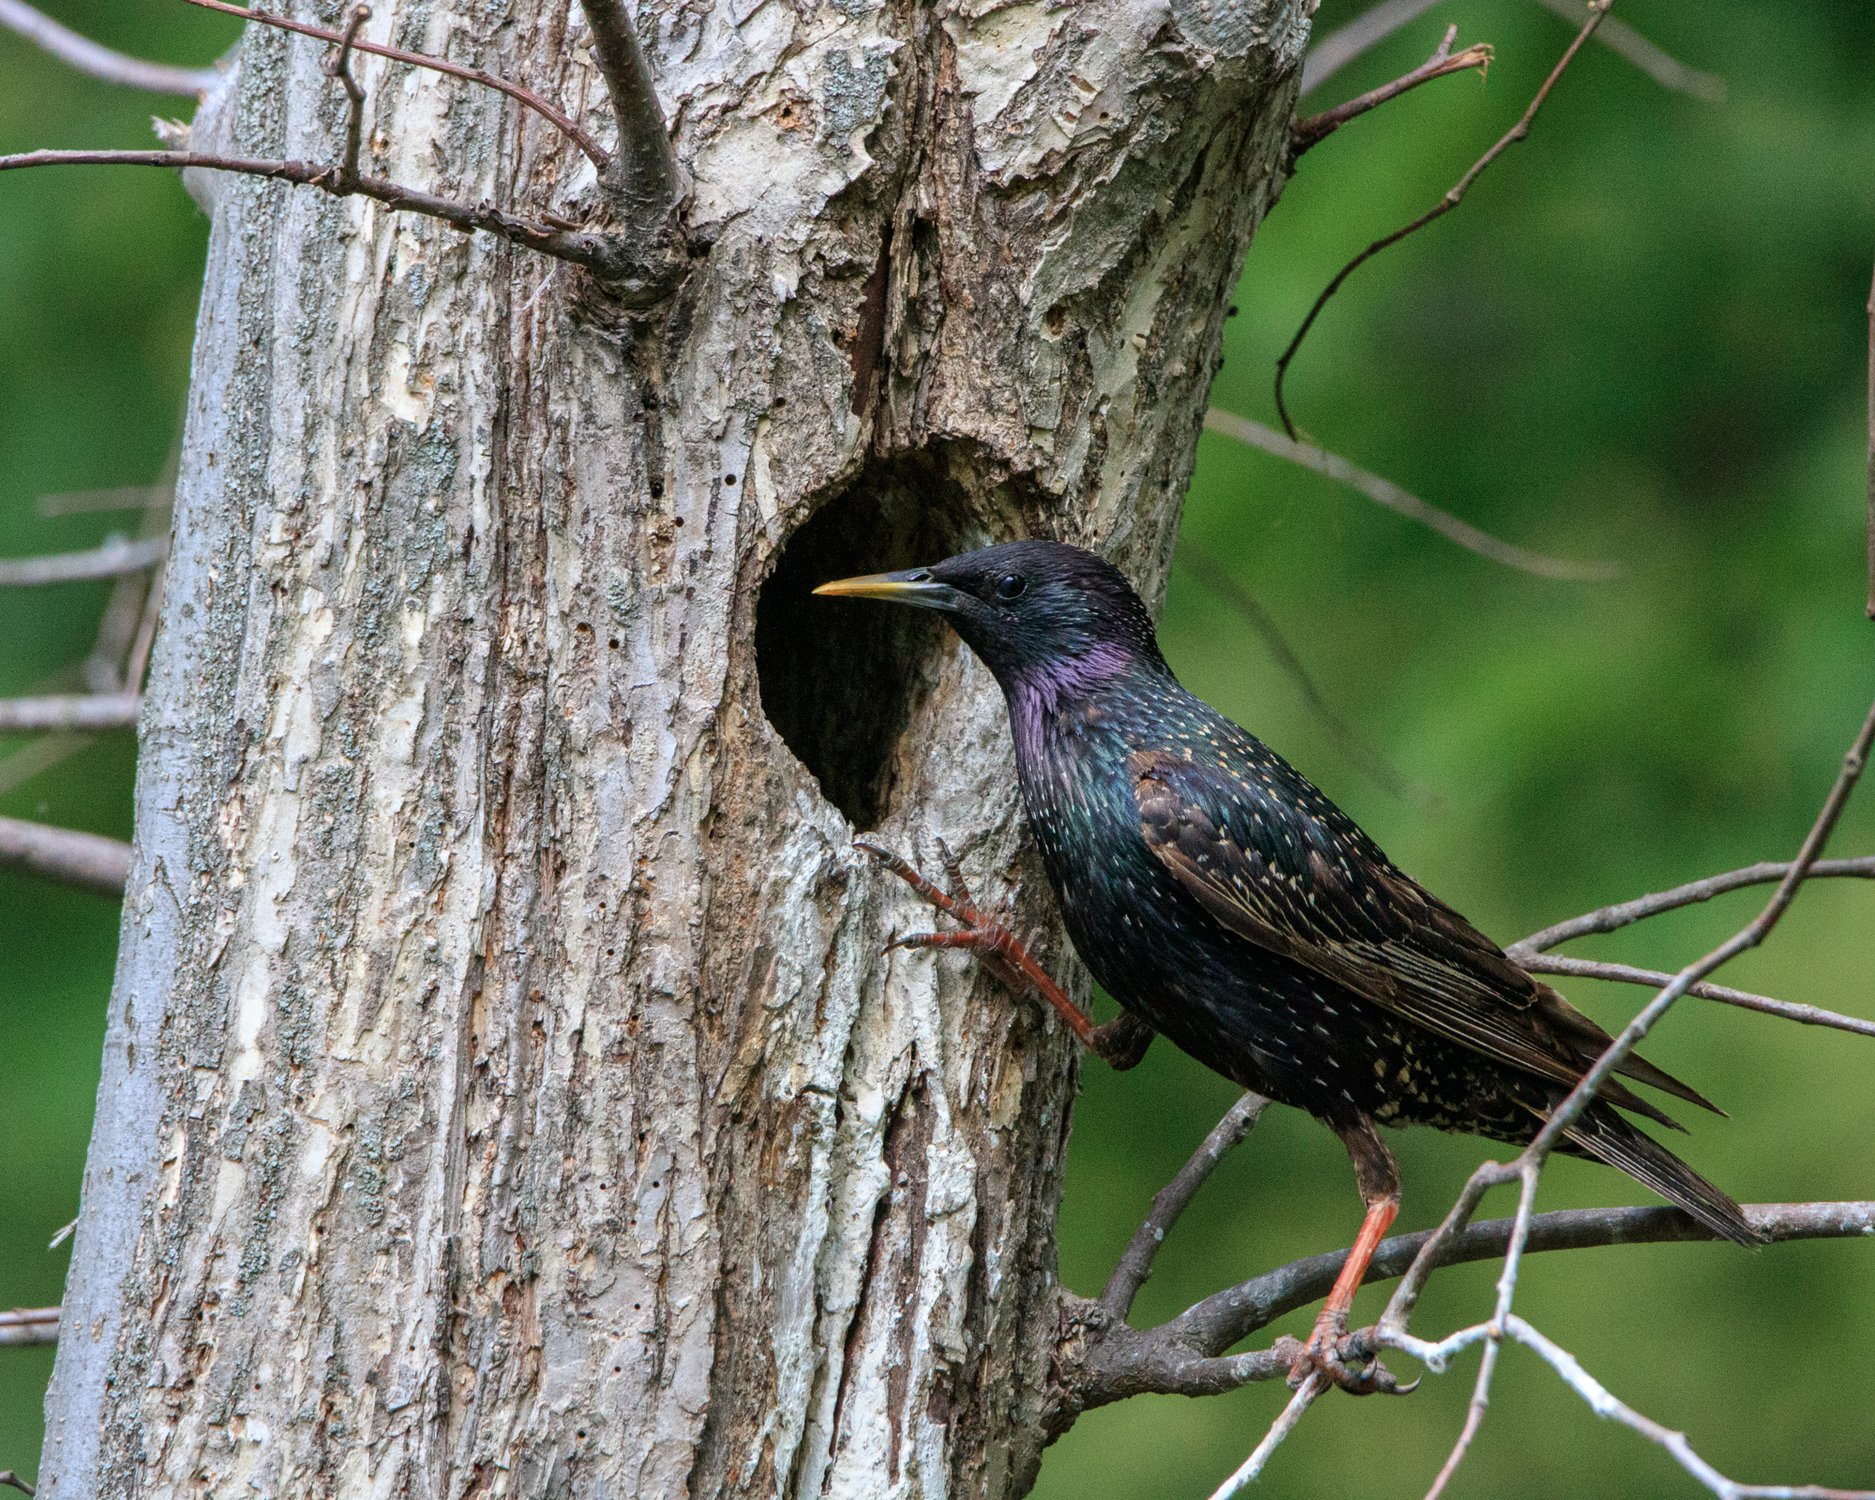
(505, 1091)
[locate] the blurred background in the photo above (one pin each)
(1640, 340)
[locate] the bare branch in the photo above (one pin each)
(112, 560)
(1253, 1466)
(89, 502)
(1750, 936)
(1453, 197)
(1222, 1319)
(38, 756)
(1655, 61)
(121, 625)
(1386, 492)
(643, 178)
(1369, 29)
(520, 95)
(1311, 131)
(30, 1325)
(87, 860)
(1604, 1404)
(1135, 1263)
(9, 1478)
(1216, 577)
(1529, 1163)
(80, 711)
(138, 658)
(1789, 1010)
(602, 254)
(1610, 918)
(339, 66)
(100, 61)
(1339, 48)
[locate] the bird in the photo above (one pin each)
(1230, 906)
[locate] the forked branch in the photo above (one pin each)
(1454, 195)
(643, 177)
(527, 97)
(600, 253)
(1316, 128)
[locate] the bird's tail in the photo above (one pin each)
(1604, 1135)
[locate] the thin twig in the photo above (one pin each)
(1453, 197)
(69, 711)
(1386, 492)
(339, 66)
(1789, 1010)
(1604, 1404)
(1748, 937)
(1652, 59)
(100, 61)
(594, 151)
(30, 1325)
(112, 560)
(599, 253)
(92, 502)
(1339, 48)
(120, 628)
(1611, 918)
(1494, 1332)
(644, 177)
(87, 860)
(1216, 577)
(1370, 28)
(1529, 1163)
(1135, 1263)
(138, 658)
(1308, 132)
(1253, 1466)
(8, 1477)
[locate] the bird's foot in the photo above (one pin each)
(1347, 1360)
(1120, 1042)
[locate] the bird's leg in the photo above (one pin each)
(1379, 1181)
(1119, 1042)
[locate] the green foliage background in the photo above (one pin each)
(1641, 339)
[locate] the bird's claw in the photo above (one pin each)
(1346, 1360)
(956, 903)
(999, 949)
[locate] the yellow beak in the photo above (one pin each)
(914, 586)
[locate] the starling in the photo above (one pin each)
(1228, 904)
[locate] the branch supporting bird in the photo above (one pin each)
(1229, 905)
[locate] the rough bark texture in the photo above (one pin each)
(505, 1092)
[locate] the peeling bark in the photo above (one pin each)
(505, 1092)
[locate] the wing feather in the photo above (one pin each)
(1300, 880)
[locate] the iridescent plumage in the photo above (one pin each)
(1219, 896)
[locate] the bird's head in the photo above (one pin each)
(1034, 611)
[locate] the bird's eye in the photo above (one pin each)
(1011, 586)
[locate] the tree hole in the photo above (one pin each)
(841, 677)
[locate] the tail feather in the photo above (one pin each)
(1590, 1041)
(1607, 1137)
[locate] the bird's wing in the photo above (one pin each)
(1295, 876)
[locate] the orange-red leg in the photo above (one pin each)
(1379, 1181)
(1122, 1042)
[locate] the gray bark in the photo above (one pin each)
(505, 1092)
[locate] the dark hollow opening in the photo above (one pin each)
(839, 677)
